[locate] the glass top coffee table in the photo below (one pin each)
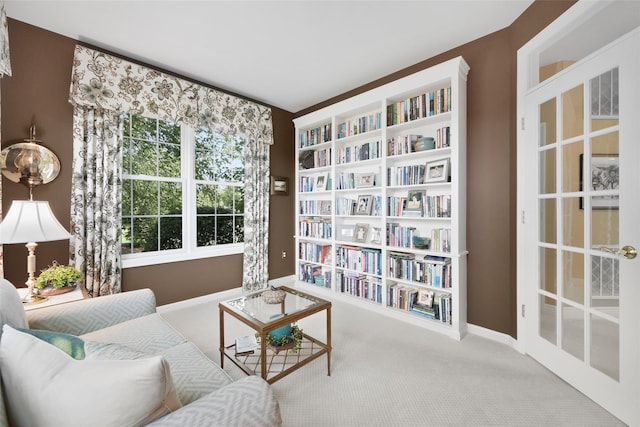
(274, 362)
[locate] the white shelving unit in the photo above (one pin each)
(346, 162)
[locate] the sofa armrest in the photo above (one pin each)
(247, 402)
(88, 315)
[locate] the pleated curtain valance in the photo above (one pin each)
(112, 83)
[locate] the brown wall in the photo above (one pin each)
(38, 91)
(491, 161)
(42, 67)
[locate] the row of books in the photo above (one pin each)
(320, 228)
(361, 286)
(315, 136)
(420, 106)
(405, 144)
(400, 236)
(360, 124)
(348, 206)
(315, 207)
(441, 240)
(314, 252)
(308, 184)
(431, 271)
(411, 299)
(357, 153)
(416, 203)
(315, 274)
(355, 258)
(406, 175)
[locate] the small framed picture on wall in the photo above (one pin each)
(279, 186)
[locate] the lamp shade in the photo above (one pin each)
(31, 221)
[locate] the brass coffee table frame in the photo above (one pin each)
(264, 329)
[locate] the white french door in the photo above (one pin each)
(582, 226)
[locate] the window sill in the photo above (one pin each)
(141, 260)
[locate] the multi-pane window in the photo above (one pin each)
(182, 192)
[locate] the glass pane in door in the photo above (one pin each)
(605, 346)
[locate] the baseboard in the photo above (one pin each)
(227, 294)
(494, 336)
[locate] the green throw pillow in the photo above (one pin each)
(70, 344)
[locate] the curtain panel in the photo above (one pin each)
(103, 83)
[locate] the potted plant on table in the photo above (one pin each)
(58, 279)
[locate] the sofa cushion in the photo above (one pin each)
(47, 387)
(148, 334)
(68, 343)
(194, 374)
(11, 310)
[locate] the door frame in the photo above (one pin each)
(528, 66)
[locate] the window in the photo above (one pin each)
(182, 192)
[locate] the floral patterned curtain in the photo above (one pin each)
(108, 83)
(5, 69)
(96, 198)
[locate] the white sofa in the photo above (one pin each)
(122, 337)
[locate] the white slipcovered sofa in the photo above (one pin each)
(114, 361)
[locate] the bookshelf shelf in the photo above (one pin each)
(392, 168)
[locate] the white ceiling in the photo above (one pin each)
(289, 54)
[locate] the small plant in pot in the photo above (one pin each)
(58, 279)
(284, 338)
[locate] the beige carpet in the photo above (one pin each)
(389, 373)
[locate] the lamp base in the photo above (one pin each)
(32, 298)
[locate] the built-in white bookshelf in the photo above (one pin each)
(381, 199)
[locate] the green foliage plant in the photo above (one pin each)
(58, 276)
(296, 336)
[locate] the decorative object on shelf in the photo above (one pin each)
(306, 159)
(437, 171)
(363, 207)
(30, 221)
(58, 279)
(273, 295)
(288, 337)
(364, 180)
(279, 186)
(425, 143)
(29, 163)
(346, 232)
(421, 242)
(360, 234)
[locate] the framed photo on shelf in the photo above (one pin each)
(363, 206)
(363, 180)
(425, 297)
(360, 234)
(375, 235)
(346, 232)
(437, 171)
(321, 182)
(279, 186)
(605, 175)
(325, 207)
(414, 205)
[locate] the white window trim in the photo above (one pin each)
(190, 251)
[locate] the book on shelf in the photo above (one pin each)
(246, 344)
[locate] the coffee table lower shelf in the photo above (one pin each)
(279, 361)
